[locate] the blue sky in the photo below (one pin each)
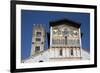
(30, 17)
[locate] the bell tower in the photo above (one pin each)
(38, 39)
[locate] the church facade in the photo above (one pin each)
(64, 41)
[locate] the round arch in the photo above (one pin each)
(41, 61)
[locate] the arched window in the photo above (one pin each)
(37, 48)
(38, 34)
(65, 40)
(60, 52)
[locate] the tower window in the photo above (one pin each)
(71, 52)
(38, 34)
(38, 39)
(37, 48)
(41, 42)
(32, 42)
(60, 52)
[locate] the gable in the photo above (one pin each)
(66, 22)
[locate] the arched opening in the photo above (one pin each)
(41, 61)
(72, 52)
(60, 52)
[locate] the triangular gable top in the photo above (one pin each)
(65, 21)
